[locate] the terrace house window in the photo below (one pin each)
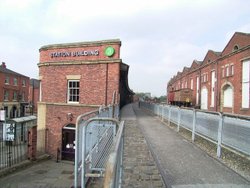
(15, 81)
(73, 91)
(7, 80)
(14, 96)
(24, 83)
(6, 95)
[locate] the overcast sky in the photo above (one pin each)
(158, 37)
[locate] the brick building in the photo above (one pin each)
(76, 78)
(34, 92)
(221, 81)
(14, 93)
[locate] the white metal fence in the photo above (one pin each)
(227, 130)
(95, 135)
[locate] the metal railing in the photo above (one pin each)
(113, 173)
(95, 133)
(226, 130)
(12, 152)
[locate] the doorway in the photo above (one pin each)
(68, 142)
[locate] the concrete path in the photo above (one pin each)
(45, 174)
(182, 164)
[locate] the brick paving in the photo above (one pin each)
(140, 169)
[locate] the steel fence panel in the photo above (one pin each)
(236, 134)
(186, 120)
(174, 115)
(166, 112)
(207, 124)
(234, 130)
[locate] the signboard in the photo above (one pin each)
(2, 115)
(8, 132)
(75, 54)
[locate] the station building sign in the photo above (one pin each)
(75, 54)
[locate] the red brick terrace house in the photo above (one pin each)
(221, 82)
(34, 92)
(14, 91)
(76, 78)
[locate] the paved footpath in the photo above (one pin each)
(140, 169)
(45, 174)
(181, 163)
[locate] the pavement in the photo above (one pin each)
(44, 174)
(139, 167)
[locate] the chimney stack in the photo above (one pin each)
(3, 65)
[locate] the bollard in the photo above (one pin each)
(57, 155)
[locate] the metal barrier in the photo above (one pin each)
(95, 133)
(14, 140)
(12, 152)
(113, 171)
(225, 130)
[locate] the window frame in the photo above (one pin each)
(15, 81)
(72, 95)
(6, 95)
(7, 80)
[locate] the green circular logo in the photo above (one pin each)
(109, 51)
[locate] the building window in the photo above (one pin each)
(15, 81)
(24, 83)
(6, 95)
(73, 91)
(7, 80)
(222, 72)
(192, 84)
(232, 69)
(227, 70)
(204, 77)
(245, 84)
(23, 96)
(236, 47)
(14, 96)
(228, 97)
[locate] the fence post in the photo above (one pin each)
(162, 111)
(169, 114)
(179, 119)
(220, 135)
(194, 123)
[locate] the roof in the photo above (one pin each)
(239, 40)
(81, 44)
(8, 71)
(24, 119)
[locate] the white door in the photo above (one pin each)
(212, 87)
(204, 98)
(245, 83)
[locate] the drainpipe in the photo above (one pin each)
(106, 89)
